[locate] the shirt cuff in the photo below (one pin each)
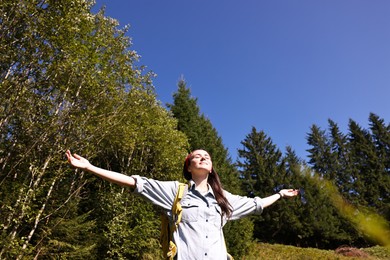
(139, 184)
(259, 205)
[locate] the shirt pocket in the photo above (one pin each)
(218, 217)
(190, 212)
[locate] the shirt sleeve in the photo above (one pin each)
(243, 206)
(160, 193)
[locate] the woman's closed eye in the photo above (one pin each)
(201, 157)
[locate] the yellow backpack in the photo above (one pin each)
(168, 227)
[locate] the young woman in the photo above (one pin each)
(206, 206)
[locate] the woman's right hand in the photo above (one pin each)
(77, 161)
(80, 162)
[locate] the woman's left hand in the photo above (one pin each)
(288, 193)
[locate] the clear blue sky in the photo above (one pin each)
(280, 66)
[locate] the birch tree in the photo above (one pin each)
(69, 80)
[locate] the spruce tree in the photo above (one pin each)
(340, 159)
(202, 135)
(352, 163)
(381, 138)
(292, 226)
(320, 153)
(262, 170)
(370, 154)
(366, 168)
(329, 156)
(260, 162)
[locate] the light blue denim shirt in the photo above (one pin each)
(200, 234)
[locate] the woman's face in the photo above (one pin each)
(200, 162)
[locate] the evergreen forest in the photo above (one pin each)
(69, 79)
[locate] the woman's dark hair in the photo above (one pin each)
(215, 184)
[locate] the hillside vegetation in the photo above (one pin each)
(260, 251)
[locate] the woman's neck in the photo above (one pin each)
(201, 184)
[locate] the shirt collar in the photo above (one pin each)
(192, 186)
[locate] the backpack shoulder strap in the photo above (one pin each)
(176, 206)
(170, 226)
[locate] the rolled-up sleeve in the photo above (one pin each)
(243, 206)
(160, 193)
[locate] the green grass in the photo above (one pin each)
(260, 251)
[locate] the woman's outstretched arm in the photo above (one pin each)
(285, 193)
(80, 162)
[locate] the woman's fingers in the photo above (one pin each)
(78, 157)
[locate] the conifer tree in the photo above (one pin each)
(340, 159)
(356, 164)
(381, 138)
(322, 224)
(260, 161)
(262, 170)
(370, 154)
(320, 153)
(202, 135)
(311, 221)
(291, 226)
(329, 155)
(366, 166)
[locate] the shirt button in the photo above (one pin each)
(207, 220)
(207, 236)
(205, 254)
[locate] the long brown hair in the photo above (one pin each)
(216, 185)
